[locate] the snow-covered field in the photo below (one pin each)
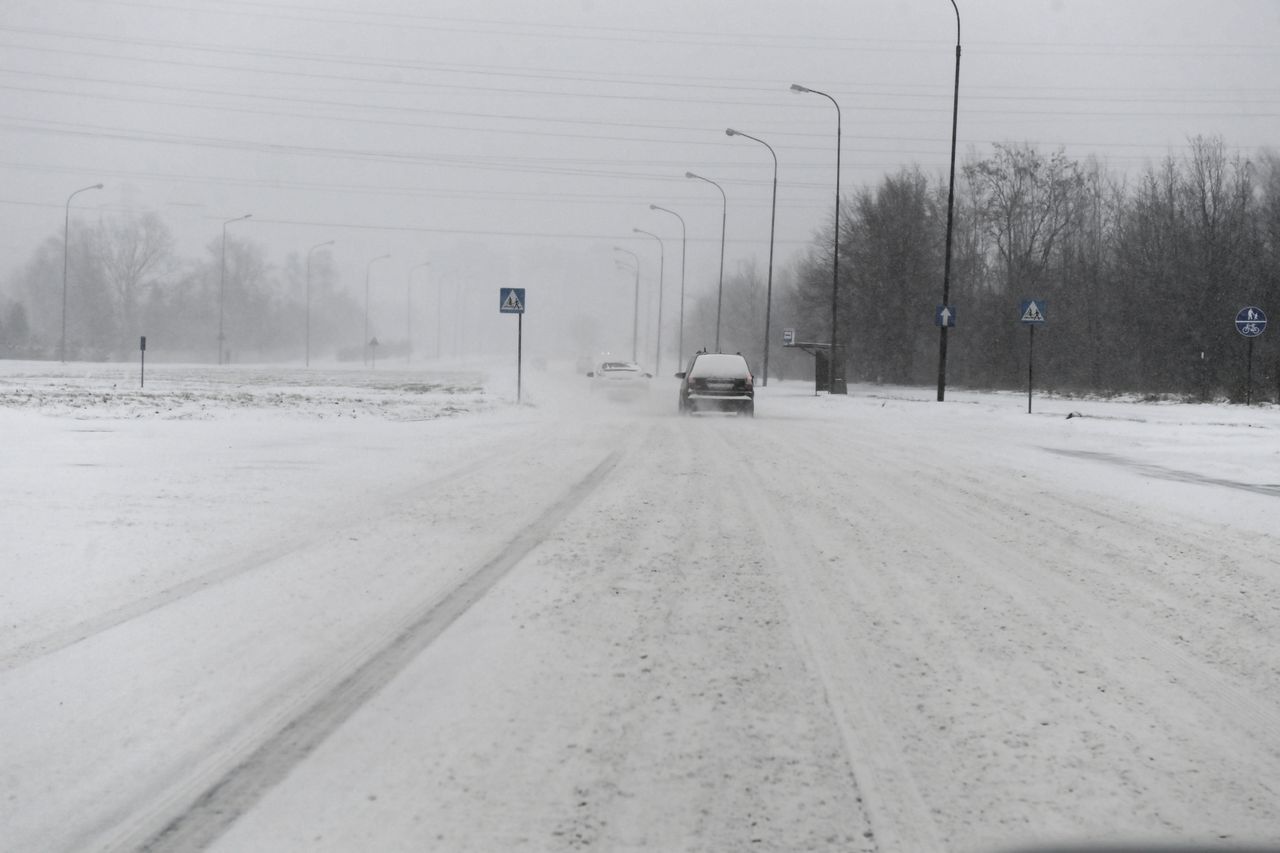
(344, 609)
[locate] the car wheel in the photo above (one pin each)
(749, 410)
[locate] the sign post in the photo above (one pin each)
(1251, 321)
(1033, 314)
(142, 354)
(511, 301)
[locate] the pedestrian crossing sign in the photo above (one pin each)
(1033, 311)
(511, 300)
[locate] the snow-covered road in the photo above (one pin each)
(316, 614)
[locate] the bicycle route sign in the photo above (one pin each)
(1251, 321)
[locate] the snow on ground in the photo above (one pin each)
(274, 608)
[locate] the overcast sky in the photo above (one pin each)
(518, 143)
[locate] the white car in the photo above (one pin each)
(620, 380)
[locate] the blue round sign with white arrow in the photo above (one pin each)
(1251, 321)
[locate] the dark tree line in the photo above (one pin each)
(1142, 280)
(124, 280)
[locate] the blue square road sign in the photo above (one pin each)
(511, 300)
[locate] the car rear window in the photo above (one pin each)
(720, 364)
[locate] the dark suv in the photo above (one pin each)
(717, 381)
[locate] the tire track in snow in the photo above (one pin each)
(1161, 472)
(950, 524)
(895, 808)
(1055, 582)
(193, 816)
(337, 525)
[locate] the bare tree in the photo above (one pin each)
(1024, 200)
(896, 258)
(134, 254)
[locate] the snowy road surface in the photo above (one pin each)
(326, 611)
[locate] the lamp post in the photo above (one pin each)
(635, 317)
(683, 245)
(408, 312)
(439, 314)
(724, 215)
(66, 229)
(367, 268)
(951, 196)
(662, 266)
(222, 283)
(307, 358)
(773, 218)
(835, 251)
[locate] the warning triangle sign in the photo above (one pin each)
(1032, 313)
(512, 302)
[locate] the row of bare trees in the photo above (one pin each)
(1143, 277)
(124, 280)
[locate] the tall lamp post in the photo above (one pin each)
(307, 357)
(439, 314)
(635, 317)
(662, 265)
(724, 215)
(367, 268)
(222, 284)
(951, 196)
(66, 228)
(408, 311)
(683, 245)
(773, 218)
(835, 251)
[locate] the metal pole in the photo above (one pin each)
(365, 338)
(307, 357)
(724, 215)
(439, 315)
(951, 196)
(222, 282)
(408, 312)
(222, 289)
(1031, 361)
(1248, 387)
(66, 229)
(835, 250)
(683, 245)
(456, 344)
(635, 317)
(773, 218)
(662, 265)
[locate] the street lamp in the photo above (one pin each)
(222, 282)
(66, 227)
(951, 196)
(724, 214)
(835, 251)
(635, 317)
(662, 265)
(408, 312)
(439, 314)
(683, 244)
(367, 268)
(773, 217)
(307, 358)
